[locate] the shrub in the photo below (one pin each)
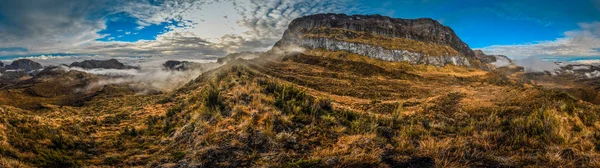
(53, 158)
(130, 131)
(305, 163)
(173, 110)
(113, 160)
(539, 128)
(212, 98)
(178, 155)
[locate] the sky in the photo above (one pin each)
(207, 29)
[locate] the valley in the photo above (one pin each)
(317, 106)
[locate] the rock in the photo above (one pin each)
(189, 66)
(496, 60)
(383, 54)
(427, 31)
(580, 71)
(180, 65)
(12, 76)
(1, 64)
(24, 64)
(104, 64)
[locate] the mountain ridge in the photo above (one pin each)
(414, 40)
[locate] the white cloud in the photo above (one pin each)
(582, 42)
(48, 25)
(71, 26)
(145, 79)
(535, 64)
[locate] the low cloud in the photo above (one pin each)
(502, 62)
(145, 79)
(581, 42)
(535, 64)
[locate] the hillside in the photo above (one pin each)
(318, 108)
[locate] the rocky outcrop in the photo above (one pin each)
(427, 31)
(181, 65)
(104, 64)
(18, 70)
(24, 64)
(496, 60)
(12, 76)
(582, 71)
(381, 53)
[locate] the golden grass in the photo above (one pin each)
(314, 111)
(421, 69)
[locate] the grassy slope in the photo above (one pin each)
(315, 111)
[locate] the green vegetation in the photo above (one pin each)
(314, 111)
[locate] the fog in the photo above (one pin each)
(535, 64)
(502, 62)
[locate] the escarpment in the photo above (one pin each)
(417, 41)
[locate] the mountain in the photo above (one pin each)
(104, 64)
(54, 86)
(18, 70)
(413, 40)
(181, 65)
(24, 64)
(293, 107)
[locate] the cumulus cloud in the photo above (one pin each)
(582, 42)
(47, 24)
(204, 28)
(266, 20)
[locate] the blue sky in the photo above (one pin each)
(483, 23)
(209, 28)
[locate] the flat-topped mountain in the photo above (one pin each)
(105, 64)
(414, 40)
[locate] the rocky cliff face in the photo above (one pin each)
(379, 37)
(24, 64)
(18, 70)
(181, 65)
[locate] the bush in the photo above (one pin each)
(537, 129)
(212, 98)
(51, 158)
(113, 160)
(130, 131)
(178, 155)
(173, 110)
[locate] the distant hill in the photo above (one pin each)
(104, 64)
(24, 64)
